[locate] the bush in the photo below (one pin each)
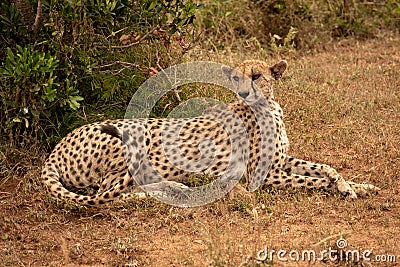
(84, 61)
(319, 21)
(30, 92)
(230, 24)
(253, 24)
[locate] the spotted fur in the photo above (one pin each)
(88, 166)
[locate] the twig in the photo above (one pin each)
(174, 89)
(7, 195)
(330, 237)
(65, 250)
(372, 3)
(126, 66)
(115, 72)
(131, 65)
(38, 17)
(116, 32)
(137, 42)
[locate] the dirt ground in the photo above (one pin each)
(342, 108)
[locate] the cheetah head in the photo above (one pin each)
(251, 73)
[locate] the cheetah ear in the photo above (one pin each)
(278, 69)
(227, 71)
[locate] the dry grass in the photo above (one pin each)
(342, 108)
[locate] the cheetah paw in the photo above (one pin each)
(166, 188)
(345, 189)
(364, 189)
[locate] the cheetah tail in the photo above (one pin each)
(50, 178)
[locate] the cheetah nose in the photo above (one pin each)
(243, 94)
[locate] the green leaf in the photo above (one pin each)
(4, 237)
(152, 5)
(73, 102)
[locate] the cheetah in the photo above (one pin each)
(92, 159)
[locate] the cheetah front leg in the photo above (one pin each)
(326, 173)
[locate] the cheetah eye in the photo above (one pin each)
(255, 76)
(235, 78)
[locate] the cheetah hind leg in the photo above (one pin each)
(163, 188)
(325, 172)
